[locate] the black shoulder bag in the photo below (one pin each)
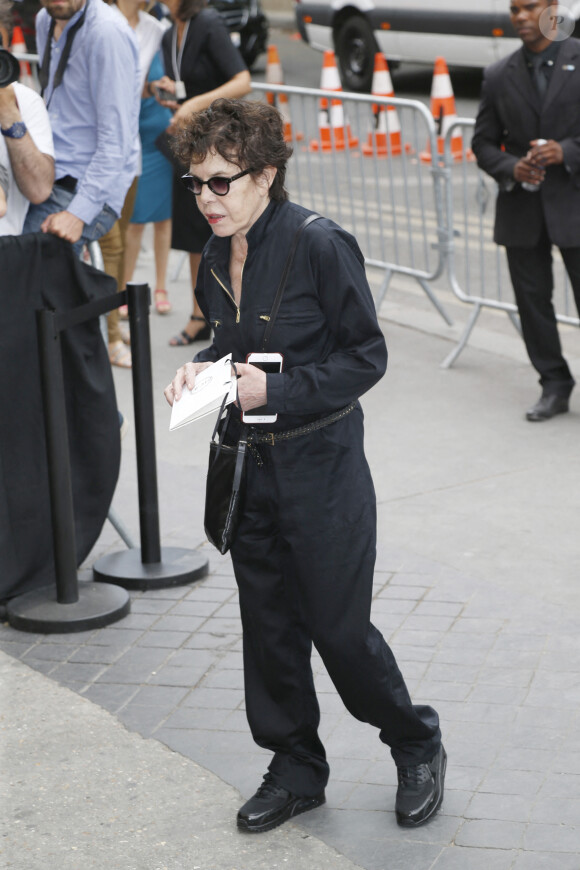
(226, 475)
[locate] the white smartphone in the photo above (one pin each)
(271, 363)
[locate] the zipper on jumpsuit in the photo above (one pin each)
(229, 295)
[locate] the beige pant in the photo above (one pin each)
(113, 250)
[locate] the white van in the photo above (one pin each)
(415, 31)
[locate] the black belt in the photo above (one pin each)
(256, 436)
(67, 182)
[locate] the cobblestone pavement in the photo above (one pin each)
(498, 656)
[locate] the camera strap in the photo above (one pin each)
(44, 72)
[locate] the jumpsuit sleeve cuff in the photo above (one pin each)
(275, 393)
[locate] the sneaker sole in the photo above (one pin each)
(300, 805)
(406, 822)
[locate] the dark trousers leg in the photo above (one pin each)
(533, 283)
(304, 562)
(281, 703)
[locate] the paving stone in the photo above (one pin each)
(513, 782)
(451, 673)
(135, 666)
(193, 607)
(205, 592)
(78, 672)
(525, 759)
(230, 679)
(159, 696)
(110, 696)
(561, 785)
(551, 812)
(553, 838)
(211, 640)
(223, 699)
(462, 777)
(179, 624)
(475, 712)
(409, 593)
(555, 698)
(418, 638)
(415, 622)
(510, 641)
(166, 639)
(515, 658)
(461, 656)
(491, 834)
(465, 858)
(371, 797)
(52, 652)
(432, 690)
(545, 861)
(117, 637)
(438, 608)
(393, 605)
(485, 694)
(508, 808)
(478, 625)
(139, 620)
(41, 665)
(506, 677)
(15, 648)
(150, 606)
(166, 675)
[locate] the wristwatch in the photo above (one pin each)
(16, 131)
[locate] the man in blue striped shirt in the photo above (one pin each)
(90, 80)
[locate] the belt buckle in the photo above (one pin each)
(269, 439)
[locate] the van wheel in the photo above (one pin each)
(355, 49)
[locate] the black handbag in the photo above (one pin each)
(225, 487)
(226, 475)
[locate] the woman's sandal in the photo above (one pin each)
(162, 303)
(184, 338)
(120, 355)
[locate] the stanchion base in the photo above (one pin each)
(176, 568)
(39, 611)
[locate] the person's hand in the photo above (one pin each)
(3, 203)
(9, 111)
(549, 154)
(527, 171)
(252, 391)
(164, 84)
(186, 110)
(184, 376)
(63, 224)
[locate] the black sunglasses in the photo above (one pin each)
(218, 185)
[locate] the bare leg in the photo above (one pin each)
(161, 247)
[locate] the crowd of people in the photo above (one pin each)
(90, 158)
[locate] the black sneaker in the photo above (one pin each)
(420, 791)
(272, 805)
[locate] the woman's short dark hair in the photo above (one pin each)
(189, 8)
(247, 133)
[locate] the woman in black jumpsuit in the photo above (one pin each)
(305, 548)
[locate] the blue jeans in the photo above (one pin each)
(59, 200)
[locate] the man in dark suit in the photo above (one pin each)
(527, 135)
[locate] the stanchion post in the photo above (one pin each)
(73, 607)
(150, 567)
(139, 301)
(57, 450)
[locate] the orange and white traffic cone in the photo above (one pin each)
(334, 130)
(384, 138)
(444, 113)
(19, 47)
(274, 76)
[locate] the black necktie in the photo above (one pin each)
(539, 77)
(44, 73)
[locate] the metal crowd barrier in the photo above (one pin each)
(477, 267)
(393, 203)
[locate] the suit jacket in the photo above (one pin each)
(511, 115)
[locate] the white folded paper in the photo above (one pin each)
(211, 385)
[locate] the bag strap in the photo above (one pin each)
(284, 278)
